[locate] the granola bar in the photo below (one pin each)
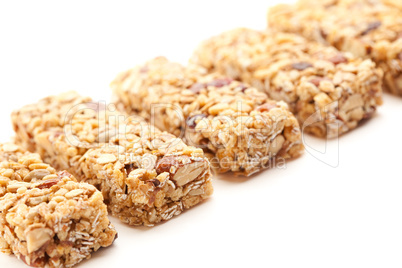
(328, 91)
(371, 29)
(146, 176)
(48, 219)
(238, 126)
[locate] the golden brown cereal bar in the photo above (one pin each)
(238, 126)
(328, 91)
(47, 218)
(145, 175)
(371, 29)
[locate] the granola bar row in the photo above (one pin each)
(146, 176)
(371, 29)
(329, 92)
(47, 218)
(239, 127)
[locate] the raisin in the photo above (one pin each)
(155, 182)
(301, 65)
(372, 26)
(129, 168)
(220, 82)
(338, 58)
(191, 121)
(243, 88)
(165, 163)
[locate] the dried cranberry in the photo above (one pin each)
(191, 121)
(243, 88)
(323, 34)
(129, 168)
(369, 49)
(144, 69)
(57, 134)
(96, 106)
(63, 174)
(301, 65)
(338, 58)
(155, 182)
(48, 183)
(220, 82)
(372, 26)
(197, 87)
(317, 80)
(266, 107)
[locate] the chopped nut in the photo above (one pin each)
(37, 237)
(189, 172)
(182, 169)
(276, 144)
(352, 102)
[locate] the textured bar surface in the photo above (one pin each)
(48, 219)
(145, 175)
(328, 91)
(237, 125)
(367, 28)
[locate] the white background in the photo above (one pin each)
(307, 215)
